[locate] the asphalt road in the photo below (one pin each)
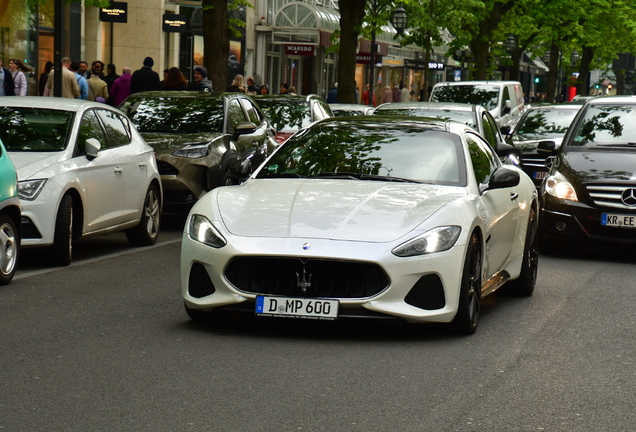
(105, 345)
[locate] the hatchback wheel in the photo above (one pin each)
(10, 244)
(147, 231)
(62, 249)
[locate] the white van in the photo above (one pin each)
(504, 99)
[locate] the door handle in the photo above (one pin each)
(142, 164)
(513, 196)
(119, 170)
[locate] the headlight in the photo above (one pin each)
(192, 151)
(201, 230)
(558, 186)
(30, 189)
(436, 240)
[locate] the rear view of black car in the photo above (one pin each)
(589, 194)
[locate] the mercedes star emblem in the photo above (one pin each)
(629, 197)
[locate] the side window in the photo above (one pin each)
(506, 95)
(489, 133)
(236, 115)
(251, 112)
(484, 161)
(116, 128)
(90, 127)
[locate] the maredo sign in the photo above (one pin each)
(301, 50)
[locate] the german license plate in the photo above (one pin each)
(540, 175)
(618, 220)
(297, 307)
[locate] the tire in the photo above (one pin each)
(62, 248)
(467, 317)
(525, 283)
(230, 179)
(10, 243)
(147, 231)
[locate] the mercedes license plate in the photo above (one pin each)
(540, 175)
(618, 220)
(297, 307)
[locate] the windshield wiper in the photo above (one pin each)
(387, 178)
(340, 175)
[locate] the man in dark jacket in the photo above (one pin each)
(145, 79)
(200, 81)
(110, 80)
(7, 87)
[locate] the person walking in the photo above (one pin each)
(252, 88)
(97, 87)
(7, 87)
(175, 80)
(405, 94)
(110, 80)
(200, 81)
(44, 76)
(388, 94)
(121, 87)
(332, 96)
(17, 69)
(81, 81)
(397, 94)
(145, 79)
(70, 87)
(237, 85)
(263, 90)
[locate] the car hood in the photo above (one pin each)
(166, 143)
(330, 209)
(598, 166)
(28, 164)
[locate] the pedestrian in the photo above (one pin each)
(110, 80)
(263, 90)
(121, 87)
(7, 88)
(96, 67)
(83, 69)
(291, 90)
(397, 94)
(145, 79)
(332, 96)
(97, 87)
(406, 94)
(17, 69)
(44, 76)
(200, 81)
(81, 81)
(252, 88)
(283, 88)
(237, 85)
(388, 95)
(175, 80)
(165, 76)
(70, 87)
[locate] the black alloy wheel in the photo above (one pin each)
(467, 317)
(524, 285)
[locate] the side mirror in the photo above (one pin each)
(504, 150)
(546, 147)
(507, 107)
(244, 129)
(92, 148)
(504, 178)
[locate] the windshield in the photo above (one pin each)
(370, 152)
(484, 95)
(286, 114)
(465, 117)
(545, 123)
(607, 125)
(35, 129)
(175, 114)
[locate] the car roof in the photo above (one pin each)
(348, 107)
(394, 122)
(566, 106)
(455, 106)
(61, 104)
(622, 99)
(185, 94)
(454, 83)
(286, 96)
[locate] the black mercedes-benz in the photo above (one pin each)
(589, 194)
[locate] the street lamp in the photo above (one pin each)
(399, 21)
(510, 44)
(546, 57)
(574, 58)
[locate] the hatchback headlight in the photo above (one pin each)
(192, 151)
(558, 186)
(436, 240)
(203, 231)
(30, 189)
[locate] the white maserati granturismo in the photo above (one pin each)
(378, 217)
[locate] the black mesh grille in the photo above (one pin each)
(166, 169)
(427, 293)
(306, 278)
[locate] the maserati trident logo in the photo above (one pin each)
(305, 282)
(629, 197)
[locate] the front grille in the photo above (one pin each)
(166, 169)
(608, 195)
(533, 160)
(306, 278)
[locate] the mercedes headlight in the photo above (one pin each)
(558, 186)
(192, 151)
(30, 189)
(203, 231)
(436, 240)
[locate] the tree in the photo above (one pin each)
(216, 41)
(351, 15)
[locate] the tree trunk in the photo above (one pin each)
(583, 88)
(553, 74)
(216, 45)
(480, 48)
(351, 14)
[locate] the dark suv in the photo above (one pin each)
(590, 191)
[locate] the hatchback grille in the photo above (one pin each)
(166, 169)
(608, 195)
(306, 277)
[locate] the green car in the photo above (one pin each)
(9, 218)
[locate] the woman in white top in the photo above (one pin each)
(19, 79)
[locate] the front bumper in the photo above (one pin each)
(205, 285)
